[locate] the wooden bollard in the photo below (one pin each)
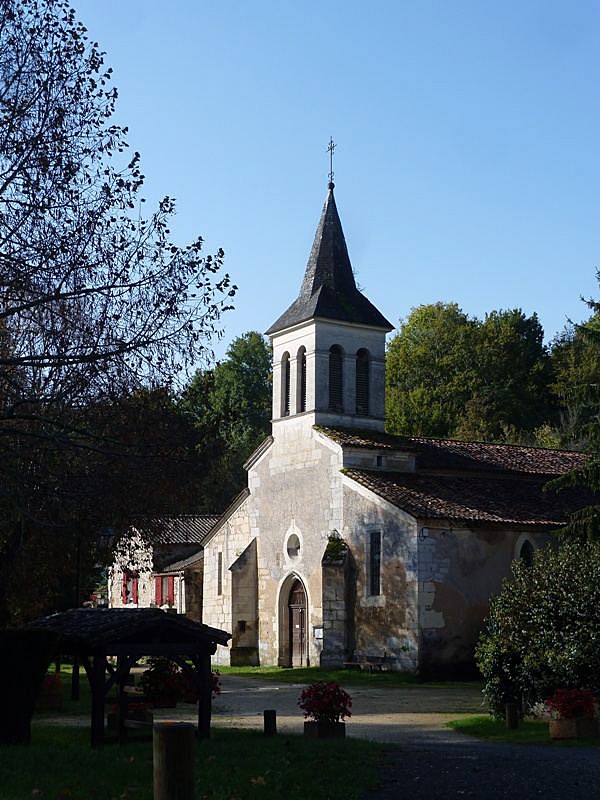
(270, 717)
(512, 715)
(173, 756)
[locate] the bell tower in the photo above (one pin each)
(329, 346)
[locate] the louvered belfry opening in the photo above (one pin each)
(336, 379)
(285, 385)
(302, 379)
(362, 383)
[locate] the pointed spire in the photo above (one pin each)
(329, 263)
(329, 290)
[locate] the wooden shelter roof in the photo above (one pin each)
(90, 629)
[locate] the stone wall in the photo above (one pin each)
(295, 490)
(339, 600)
(194, 576)
(386, 624)
(244, 604)
(459, 570)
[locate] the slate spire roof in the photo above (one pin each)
(329, 290)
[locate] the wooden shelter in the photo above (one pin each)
(94, 634)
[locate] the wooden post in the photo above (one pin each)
(512, 715)
(270, 720)
(204, 670)
(123, 673)
(75, 679)
(97, 685)
(173, 757)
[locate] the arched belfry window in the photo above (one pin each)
(285, 385)
(362, 382)
(301, 369)
(336, 379)
(526, 553)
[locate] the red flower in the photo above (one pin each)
(325, 702)
(571, 703)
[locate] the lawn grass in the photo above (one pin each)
(528, 732)
(346, 677)
(59, 764)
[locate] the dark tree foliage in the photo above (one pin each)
(231, 409)
(584, 396)
(96, 300)
(575, 356)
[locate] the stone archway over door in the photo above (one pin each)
(297, 624)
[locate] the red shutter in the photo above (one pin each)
(158, 598)
(124, 589)
(171, 590)
(134, 590)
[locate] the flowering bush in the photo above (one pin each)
(571, 703)
(165, 681)
(325, 702)
(542, 628)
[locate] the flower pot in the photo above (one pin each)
(325, 730)
(574, 728)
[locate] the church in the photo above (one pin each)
(350, 545)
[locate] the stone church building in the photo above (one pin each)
(350, 544)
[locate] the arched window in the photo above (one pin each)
(301, 367)
(362, 383)
(336, 379)
(526, 553)
(285, 385)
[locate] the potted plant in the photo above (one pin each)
(161, 683)
(573, 714)
(325, 706)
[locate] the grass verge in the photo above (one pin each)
(59, 764)
(528, 732)
(345, 677)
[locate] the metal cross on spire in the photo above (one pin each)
(330, 150)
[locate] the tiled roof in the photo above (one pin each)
(490, 500)
(183, 563)
(187, 529)
(450, 454)
(328, 290)
(95, 627)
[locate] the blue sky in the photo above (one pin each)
(467, 165)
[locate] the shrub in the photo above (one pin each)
(571, 703)
(165, 680)
(543, 629)
(325, 702)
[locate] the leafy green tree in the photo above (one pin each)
(231, 408)
(429, 374)
(511, 388)
(451, 375)
(542, 629)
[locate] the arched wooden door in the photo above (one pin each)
(297, 622)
